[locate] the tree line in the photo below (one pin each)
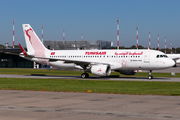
(168, 51)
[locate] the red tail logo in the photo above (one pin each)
(28, 34)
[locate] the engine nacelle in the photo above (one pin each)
(127, 72)
(101, 70)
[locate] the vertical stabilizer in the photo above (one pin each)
(33, 43)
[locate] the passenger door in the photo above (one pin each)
(146, 57)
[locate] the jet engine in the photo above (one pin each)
(127, 72)
(101, 70)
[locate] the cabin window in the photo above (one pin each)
(165, 56)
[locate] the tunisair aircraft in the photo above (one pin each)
(97, 62)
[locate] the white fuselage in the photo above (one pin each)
(118, 59)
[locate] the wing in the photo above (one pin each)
(77, 62)
(82, 63)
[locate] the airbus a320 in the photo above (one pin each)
(97, 62)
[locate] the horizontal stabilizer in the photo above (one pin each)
(22, 49)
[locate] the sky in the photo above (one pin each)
(95, 19)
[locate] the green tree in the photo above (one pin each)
(2, 46)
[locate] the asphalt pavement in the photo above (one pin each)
(42, 105)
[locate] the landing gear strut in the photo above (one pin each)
(150, 76)
(84, 75)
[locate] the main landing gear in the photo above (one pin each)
(150, 76)
(85, 75)
(175, 65)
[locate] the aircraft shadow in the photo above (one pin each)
(101, 78)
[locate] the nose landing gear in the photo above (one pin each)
(150, 76)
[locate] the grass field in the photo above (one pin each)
(96, 86)
(76, 73)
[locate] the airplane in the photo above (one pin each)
(97, 62)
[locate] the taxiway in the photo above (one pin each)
(38, 105)
(94, 78)
(41, 105)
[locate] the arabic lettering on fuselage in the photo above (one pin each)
(129, 53)
(95, 53)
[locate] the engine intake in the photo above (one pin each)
(101, 70)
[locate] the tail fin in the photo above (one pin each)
(33, 43)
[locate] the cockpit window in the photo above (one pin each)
(161, 56)
(165, 56)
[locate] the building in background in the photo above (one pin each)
(77, 45)
(13, 61)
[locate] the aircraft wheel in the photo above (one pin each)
(175, 65)
(87, 75)
(150, 77)
(84, 75)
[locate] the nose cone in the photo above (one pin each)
(170, 63)
(165, 63)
